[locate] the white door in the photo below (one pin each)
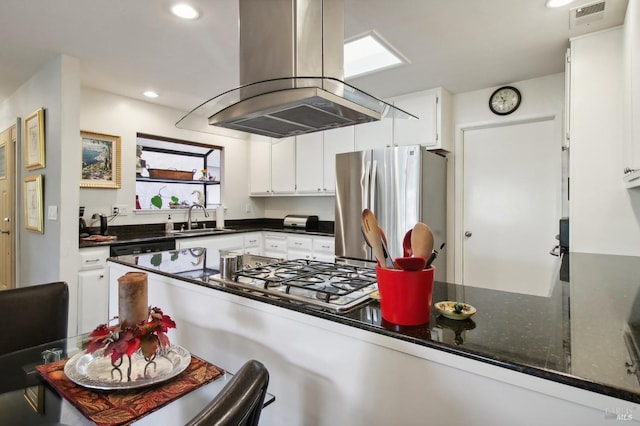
(512, 199)
(7, 209)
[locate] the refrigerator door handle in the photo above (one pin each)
(374, 169)
(366, 185)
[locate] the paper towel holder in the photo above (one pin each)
(220, 216)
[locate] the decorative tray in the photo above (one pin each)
(95, 370)
(455, 310)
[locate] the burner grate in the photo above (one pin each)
(324, 281)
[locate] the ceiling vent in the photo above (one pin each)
(586, 14)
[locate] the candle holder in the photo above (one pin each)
(147, 337)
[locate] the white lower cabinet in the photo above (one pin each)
(253, 243)
(275, 245)
(311, 247)
(93, 288)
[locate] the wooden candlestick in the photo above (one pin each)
(133, 307)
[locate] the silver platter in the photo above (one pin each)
(96, 372)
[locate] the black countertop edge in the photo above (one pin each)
(128, 234)
(341, 318)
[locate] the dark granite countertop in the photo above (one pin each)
(574, 336)
(134, 234)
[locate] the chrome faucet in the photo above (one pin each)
(189, 215)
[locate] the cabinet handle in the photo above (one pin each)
(101, 276)
(325, 247)
(92, 260)
(297, 244)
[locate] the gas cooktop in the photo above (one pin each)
(331, 286)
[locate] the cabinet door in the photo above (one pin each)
(283, 158)
(260, 167)
(93, 299)
(275, 245)
(324, 249)
(423, 131)
(375, 135)
(253, 243)
(309, 153)
(336, 141)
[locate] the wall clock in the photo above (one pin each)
(505, 100)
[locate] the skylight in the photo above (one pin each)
(369, 53)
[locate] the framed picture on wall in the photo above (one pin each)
(33, 207)
(100, 160)
(34, 140)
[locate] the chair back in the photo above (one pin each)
(38, 314)
(240, 402)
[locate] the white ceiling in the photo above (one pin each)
(129, 46)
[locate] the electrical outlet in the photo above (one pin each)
(120, 209)
(247, 208)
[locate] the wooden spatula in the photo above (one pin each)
(371, 232)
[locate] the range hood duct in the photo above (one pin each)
(291, 71)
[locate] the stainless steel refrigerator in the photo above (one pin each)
(402, 185)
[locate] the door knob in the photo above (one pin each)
(468, 234)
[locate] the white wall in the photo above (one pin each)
(605, 216)
(53, 255)
(279, 207)
(117, 115)
(541, 97)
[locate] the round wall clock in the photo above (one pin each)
(505, 100)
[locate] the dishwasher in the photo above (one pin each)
(142, 247)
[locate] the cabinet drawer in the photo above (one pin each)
(297, 243)
(324, 246)
(93, 258)
(252, 240)
(275, 244)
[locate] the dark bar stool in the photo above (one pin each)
(38, 314)
(240, 402)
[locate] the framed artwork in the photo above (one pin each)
(33, 210)
(100, 160)
(34, 140)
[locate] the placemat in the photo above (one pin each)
(121, 407)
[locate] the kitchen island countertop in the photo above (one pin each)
(574, 336)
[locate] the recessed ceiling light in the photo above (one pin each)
(369, 53)
(557, 3)
(150, 94)
(184, 11)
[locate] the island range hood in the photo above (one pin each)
(291, 71)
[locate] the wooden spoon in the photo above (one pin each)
(372, 235)
(421, 240)
(411, 263)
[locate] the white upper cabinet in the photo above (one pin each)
(316, 159)
(374, 135)
(272, 166)
(336, 141)
(309, 164)
(631, 52)
(260, 166)
(433, 127)
(283, 165)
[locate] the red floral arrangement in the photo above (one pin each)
(148, 336)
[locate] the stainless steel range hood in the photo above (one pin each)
(291, 71)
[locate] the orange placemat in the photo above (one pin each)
(121, 407)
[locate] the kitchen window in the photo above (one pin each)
(174, 174)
